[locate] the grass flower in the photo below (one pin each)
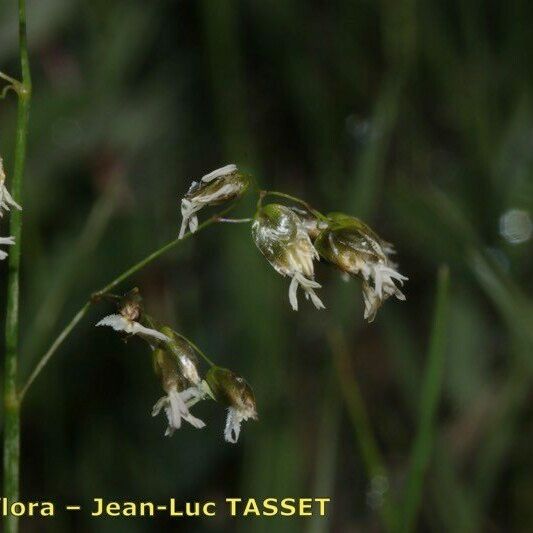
(130, 309)
(178, 397)
(280, 235)
(217, 187)
(236, 394)
(357, 250)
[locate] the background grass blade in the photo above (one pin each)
(364, 434)
(413, 116)
(429, 400)
(327, 451)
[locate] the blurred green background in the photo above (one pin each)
(415, 116)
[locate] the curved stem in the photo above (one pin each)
(11, 400)
(13, 85)
(96, 296)
(196, 349)
(9, 79)
(53, 348)
(317, 214)
(159, 252)
(5, 90)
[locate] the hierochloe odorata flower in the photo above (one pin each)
(236, 394)
(217, 187)
(357, 250)
(130, 309)
(280, 235)
(179, 396)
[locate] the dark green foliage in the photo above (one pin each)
(415, 117)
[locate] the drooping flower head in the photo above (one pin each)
(354, 248)
(8, 241)
(217, 187)
(281, 236)
(236, 394)
(130, 310)
(179, 395)
(6, 200)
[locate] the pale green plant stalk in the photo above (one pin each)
(11, 401)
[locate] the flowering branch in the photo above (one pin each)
(291, 239)
(176, 364)
(196, 349)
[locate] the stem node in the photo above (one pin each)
(11, 401)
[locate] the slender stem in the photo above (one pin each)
(371, 455)
(235, 220)
(153, 256)
(11, 400)
(196, 349)
(151, 323)
(53, 348)
(102, 292)
(430, 395)
(318, 214)
(9, 79)
(5, 90)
